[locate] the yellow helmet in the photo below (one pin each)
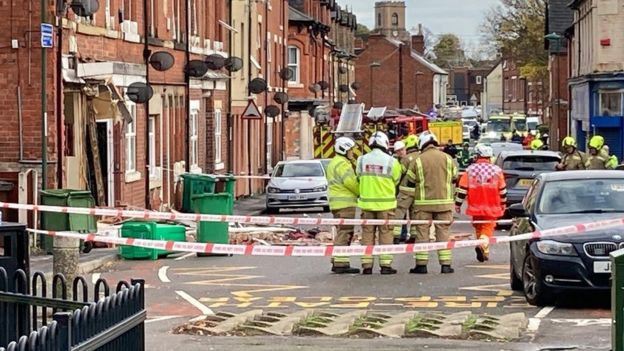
(596, 142)
(568, 141)
(411, 141)
(537, 144)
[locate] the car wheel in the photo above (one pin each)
(271, 210)
(535, 291)
(326, 209)
(514, 281)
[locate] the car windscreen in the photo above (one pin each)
(530, 163)
(299, 170)
(519, 125)
(582, 196)
(532, 125)
(501, 126)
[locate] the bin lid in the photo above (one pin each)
(65, 192)
(205, 177)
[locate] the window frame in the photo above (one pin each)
(295, 79)
(218, 127)
(130, 138)
(600, 111)
(394, 21)
(153, 166)
(194, 138)
(479, 80)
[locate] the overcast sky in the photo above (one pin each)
(461, 17)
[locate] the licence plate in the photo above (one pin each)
(525, 182)
(296, 197)
(602, 267)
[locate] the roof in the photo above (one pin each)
(579, 175)
(559, 17)
(295, 15)
(430, 65)
(529, 152)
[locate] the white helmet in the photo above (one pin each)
(380, 139)
(399, 145)
(343, 144)
(426, 137)
(484, 151)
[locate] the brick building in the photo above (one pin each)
(519, 94)
(466, 84)
(101, 134)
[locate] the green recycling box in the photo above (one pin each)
(66, 221)
(218, 204)
(151, 231)
(196, 184)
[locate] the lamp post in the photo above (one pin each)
(555, 39)
(416, 75)
(372, 67)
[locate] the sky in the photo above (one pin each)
(461, 17)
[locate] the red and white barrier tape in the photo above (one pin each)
(257, 250)
(170, 216)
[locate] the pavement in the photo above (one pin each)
(183, 287)
(92, 261)
(250, 206)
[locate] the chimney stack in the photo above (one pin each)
(418, 41)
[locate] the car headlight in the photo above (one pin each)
(319, 189)
(551, 247)
(272, 190)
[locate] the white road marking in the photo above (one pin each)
(95, 277)
(534, 324)
(162, 274)
(160, 319)
(183, 257)
(605, 322)
(200, 306)
(544, 312)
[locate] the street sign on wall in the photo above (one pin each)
(47, 35)
(251, 111)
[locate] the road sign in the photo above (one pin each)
(47, 35)
(251, 111)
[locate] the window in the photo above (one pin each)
(299, 169)
(395, 19)
(610, 102)
(293, 63)
(582, 196)
(194, 150)
(194, 27)
(127, 9)
(379, 20)
(217, 135)
(152, 17)
(479, 80)
(176, 20)
(269, 143)
(131, 140)
(109, 19)
(153, 171)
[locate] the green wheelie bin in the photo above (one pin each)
(195, 184)
(218, 204)
(152, 231)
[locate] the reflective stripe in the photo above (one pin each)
(377, 199)
(435, 202)
(343, 198)
(503, 192)
(449, 177)
(407, 189)
(411, 175)
(461, 191)
(421, 183)
(364, 174)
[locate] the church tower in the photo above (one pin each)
(390, 20)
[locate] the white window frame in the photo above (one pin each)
(296, 79)
(269, 144)
(608, 91)
(479, 80)
(218, 127)
(152, 20)
(153, 167)
(194, 138)
(130, 138)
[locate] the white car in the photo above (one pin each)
(297, 184)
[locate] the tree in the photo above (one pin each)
(448, 51)
(515, 28)
(361, 30)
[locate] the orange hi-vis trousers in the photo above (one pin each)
(484, 229)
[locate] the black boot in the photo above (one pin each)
(480, 254)
(345, 270)
(419, 270)
(367, 271)
(446, 269)
(396, 241)
(388, 270)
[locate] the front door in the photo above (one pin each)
(105, 144)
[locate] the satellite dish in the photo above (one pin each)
(314, 88)
(196, 68)
(139, 92)
(356, 85)
(286, 73)
(215, 62)
(343, 88)
(272, 111)
(323, 84)
(233, 64)
(84, 8)
(161, 61)
(257, 85)
(342, 69)
(280, 98)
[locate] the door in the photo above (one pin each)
(105, 144)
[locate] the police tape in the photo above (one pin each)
(330, 250)
(172, 216)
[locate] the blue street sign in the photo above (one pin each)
(47, 35)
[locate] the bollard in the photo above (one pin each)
(617, 300)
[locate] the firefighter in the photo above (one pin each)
(399, 150)
(379, 174)
(598, 157)
(537, 144)
(431, 175)
(572, 159)
(464, 159)
(405, 199)
(343, 193)
(484, 187)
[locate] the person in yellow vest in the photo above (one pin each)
(343, 193)
(379, 174)
(599, 155)
(431, 175)
(405, 199)
(572, 159)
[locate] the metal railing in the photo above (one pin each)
(109, 322)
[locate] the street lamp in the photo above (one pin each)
(416, 75)
(372, 66)
(555, 39)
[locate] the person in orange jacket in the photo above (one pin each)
(483, 186)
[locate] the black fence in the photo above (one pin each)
(31, 319)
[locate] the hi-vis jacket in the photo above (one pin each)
(379, 174)
(431, 175)
(484, 186)
(405, 163)
(601, 161)
(343, 183)
(574, 161)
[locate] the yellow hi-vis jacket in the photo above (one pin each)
(431, 174)
(343, 183)
(379, 174)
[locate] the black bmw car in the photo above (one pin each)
(543, 268)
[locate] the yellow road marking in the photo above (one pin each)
(495, 288)
(501, 276)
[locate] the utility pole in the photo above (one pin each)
(44, 103)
